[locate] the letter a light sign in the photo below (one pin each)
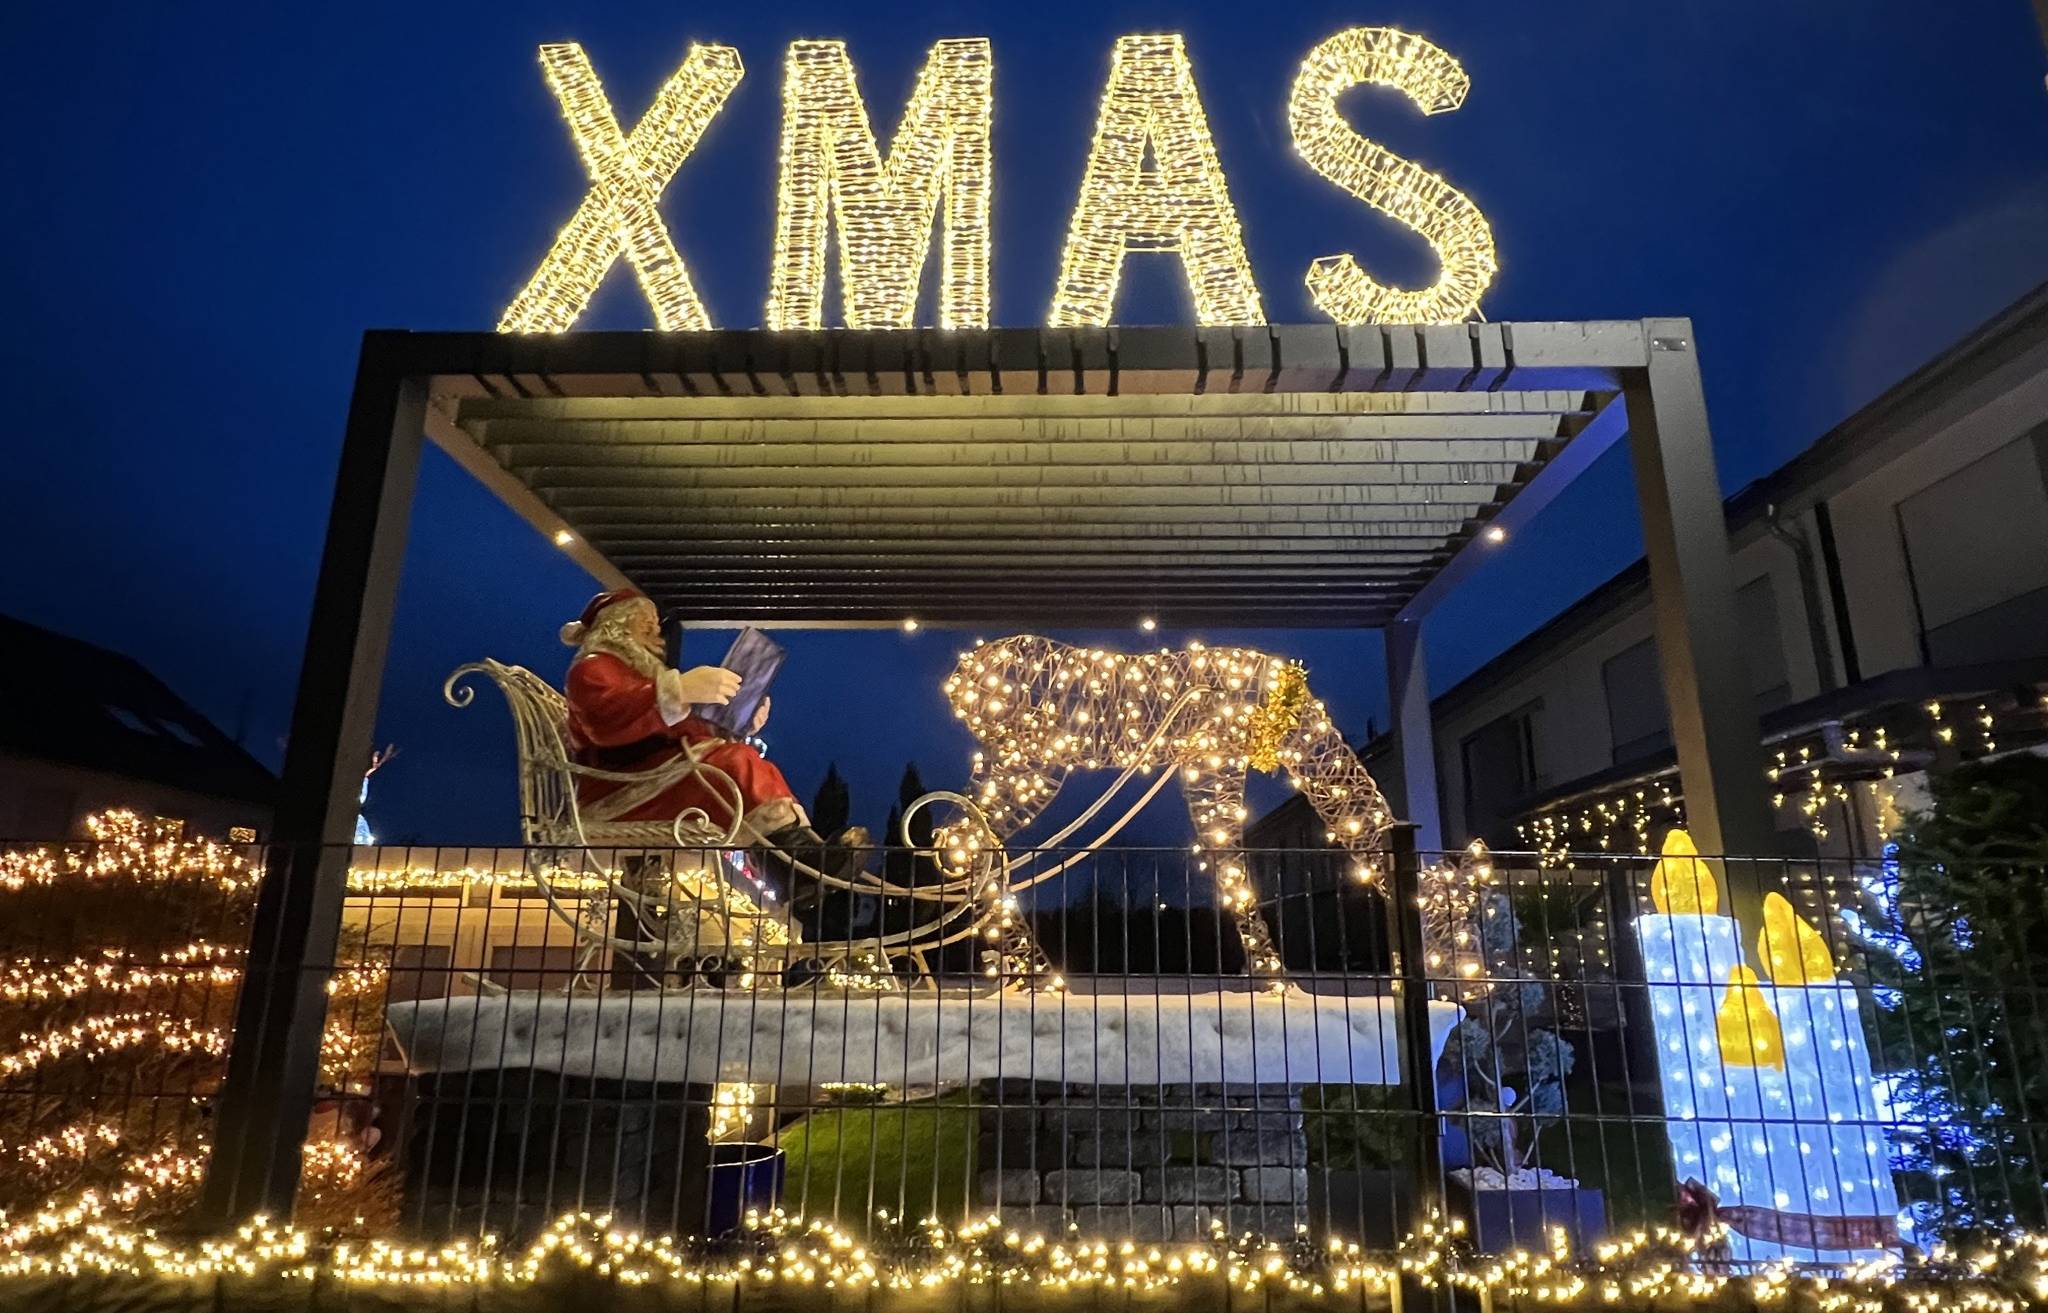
(1153, 182)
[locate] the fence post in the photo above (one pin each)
(1418, 1066)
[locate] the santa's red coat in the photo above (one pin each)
(616, 722)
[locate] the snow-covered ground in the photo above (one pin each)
(918, 1038)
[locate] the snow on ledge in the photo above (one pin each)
(803, 1038)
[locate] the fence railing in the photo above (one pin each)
(1832, 1061)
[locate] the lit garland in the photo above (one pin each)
(832, 170)
(1449, 895)
(127, 847)
(621, 215)
(867, 971)
(167, 1026)
(113, 1033)
(1402, 190)
(732, 1110)
(1649, 1269)
(1812, 774)
(1182, 206)
(1041, 709)
(114, 971)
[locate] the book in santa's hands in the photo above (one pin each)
(755, 658)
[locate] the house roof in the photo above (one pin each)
(86, 706)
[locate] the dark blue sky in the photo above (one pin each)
(205, 207)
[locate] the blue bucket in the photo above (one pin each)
(743, 1176)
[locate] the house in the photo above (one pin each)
(100, 731)
(1892, 600)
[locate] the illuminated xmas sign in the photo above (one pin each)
(1153, 182)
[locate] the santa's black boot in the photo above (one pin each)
(840, 858)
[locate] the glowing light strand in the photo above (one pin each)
(1401, 189)
(621, 214)
(1041, 709)
(833, 171)
(1181, 207)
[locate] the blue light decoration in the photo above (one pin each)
(1768, 1089)
(1930, 1128)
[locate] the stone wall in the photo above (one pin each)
(1146, 1162)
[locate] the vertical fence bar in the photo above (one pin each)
(1418, 1068)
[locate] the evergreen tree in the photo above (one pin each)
(832, 805)
(1956, 934)
(908, 791)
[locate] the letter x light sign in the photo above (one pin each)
(621, 213)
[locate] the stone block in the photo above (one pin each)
(1191, 1185)
(1192, 1221)
(1137, 1149)
(1266, 1119)
(1189, 1121)
(1016, 1127)
(1284, 1185)
(1080, 1118)
(1048, 1220)
(1079, 1185)
(1125, 1222)
(1043, 1152)
(1260, 1148)
(1008, 1185)
(1272, 1221)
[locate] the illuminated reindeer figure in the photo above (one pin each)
(1041, 709)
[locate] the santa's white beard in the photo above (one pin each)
(613, 638)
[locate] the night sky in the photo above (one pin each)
(205, 208)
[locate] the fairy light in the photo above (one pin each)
(1449, 895)
(732, 1110)
(833, 173)
(1398, 188)
(1655, 1267)
(621, 214)
(1041, 709)
(1182, 206)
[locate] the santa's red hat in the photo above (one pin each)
(574, 632)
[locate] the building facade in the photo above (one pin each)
(1892, 598)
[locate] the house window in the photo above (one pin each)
(1977, 549)
(1638, 723)
(1639, 720)
(1499, 762)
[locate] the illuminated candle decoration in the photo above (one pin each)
(1398, 188)
(833, 173)
(621, 214)
(1769, 1098)
(1181, 205)
(1745, 1028)
(1041, 709)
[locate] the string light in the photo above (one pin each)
(1656, 1267)
(1181, 206)
(732, 1110)
(1398, 188)
(1449, 895)
(621, 214)
(1041, 709)
(833, 172)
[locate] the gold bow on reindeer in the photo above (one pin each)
(1278, 716)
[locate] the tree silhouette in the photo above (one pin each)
(832, 805)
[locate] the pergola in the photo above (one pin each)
(1319, 476)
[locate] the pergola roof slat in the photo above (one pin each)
(1309, 475)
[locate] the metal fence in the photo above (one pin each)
(1854, 1060)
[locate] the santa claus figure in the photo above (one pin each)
(629, 710)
